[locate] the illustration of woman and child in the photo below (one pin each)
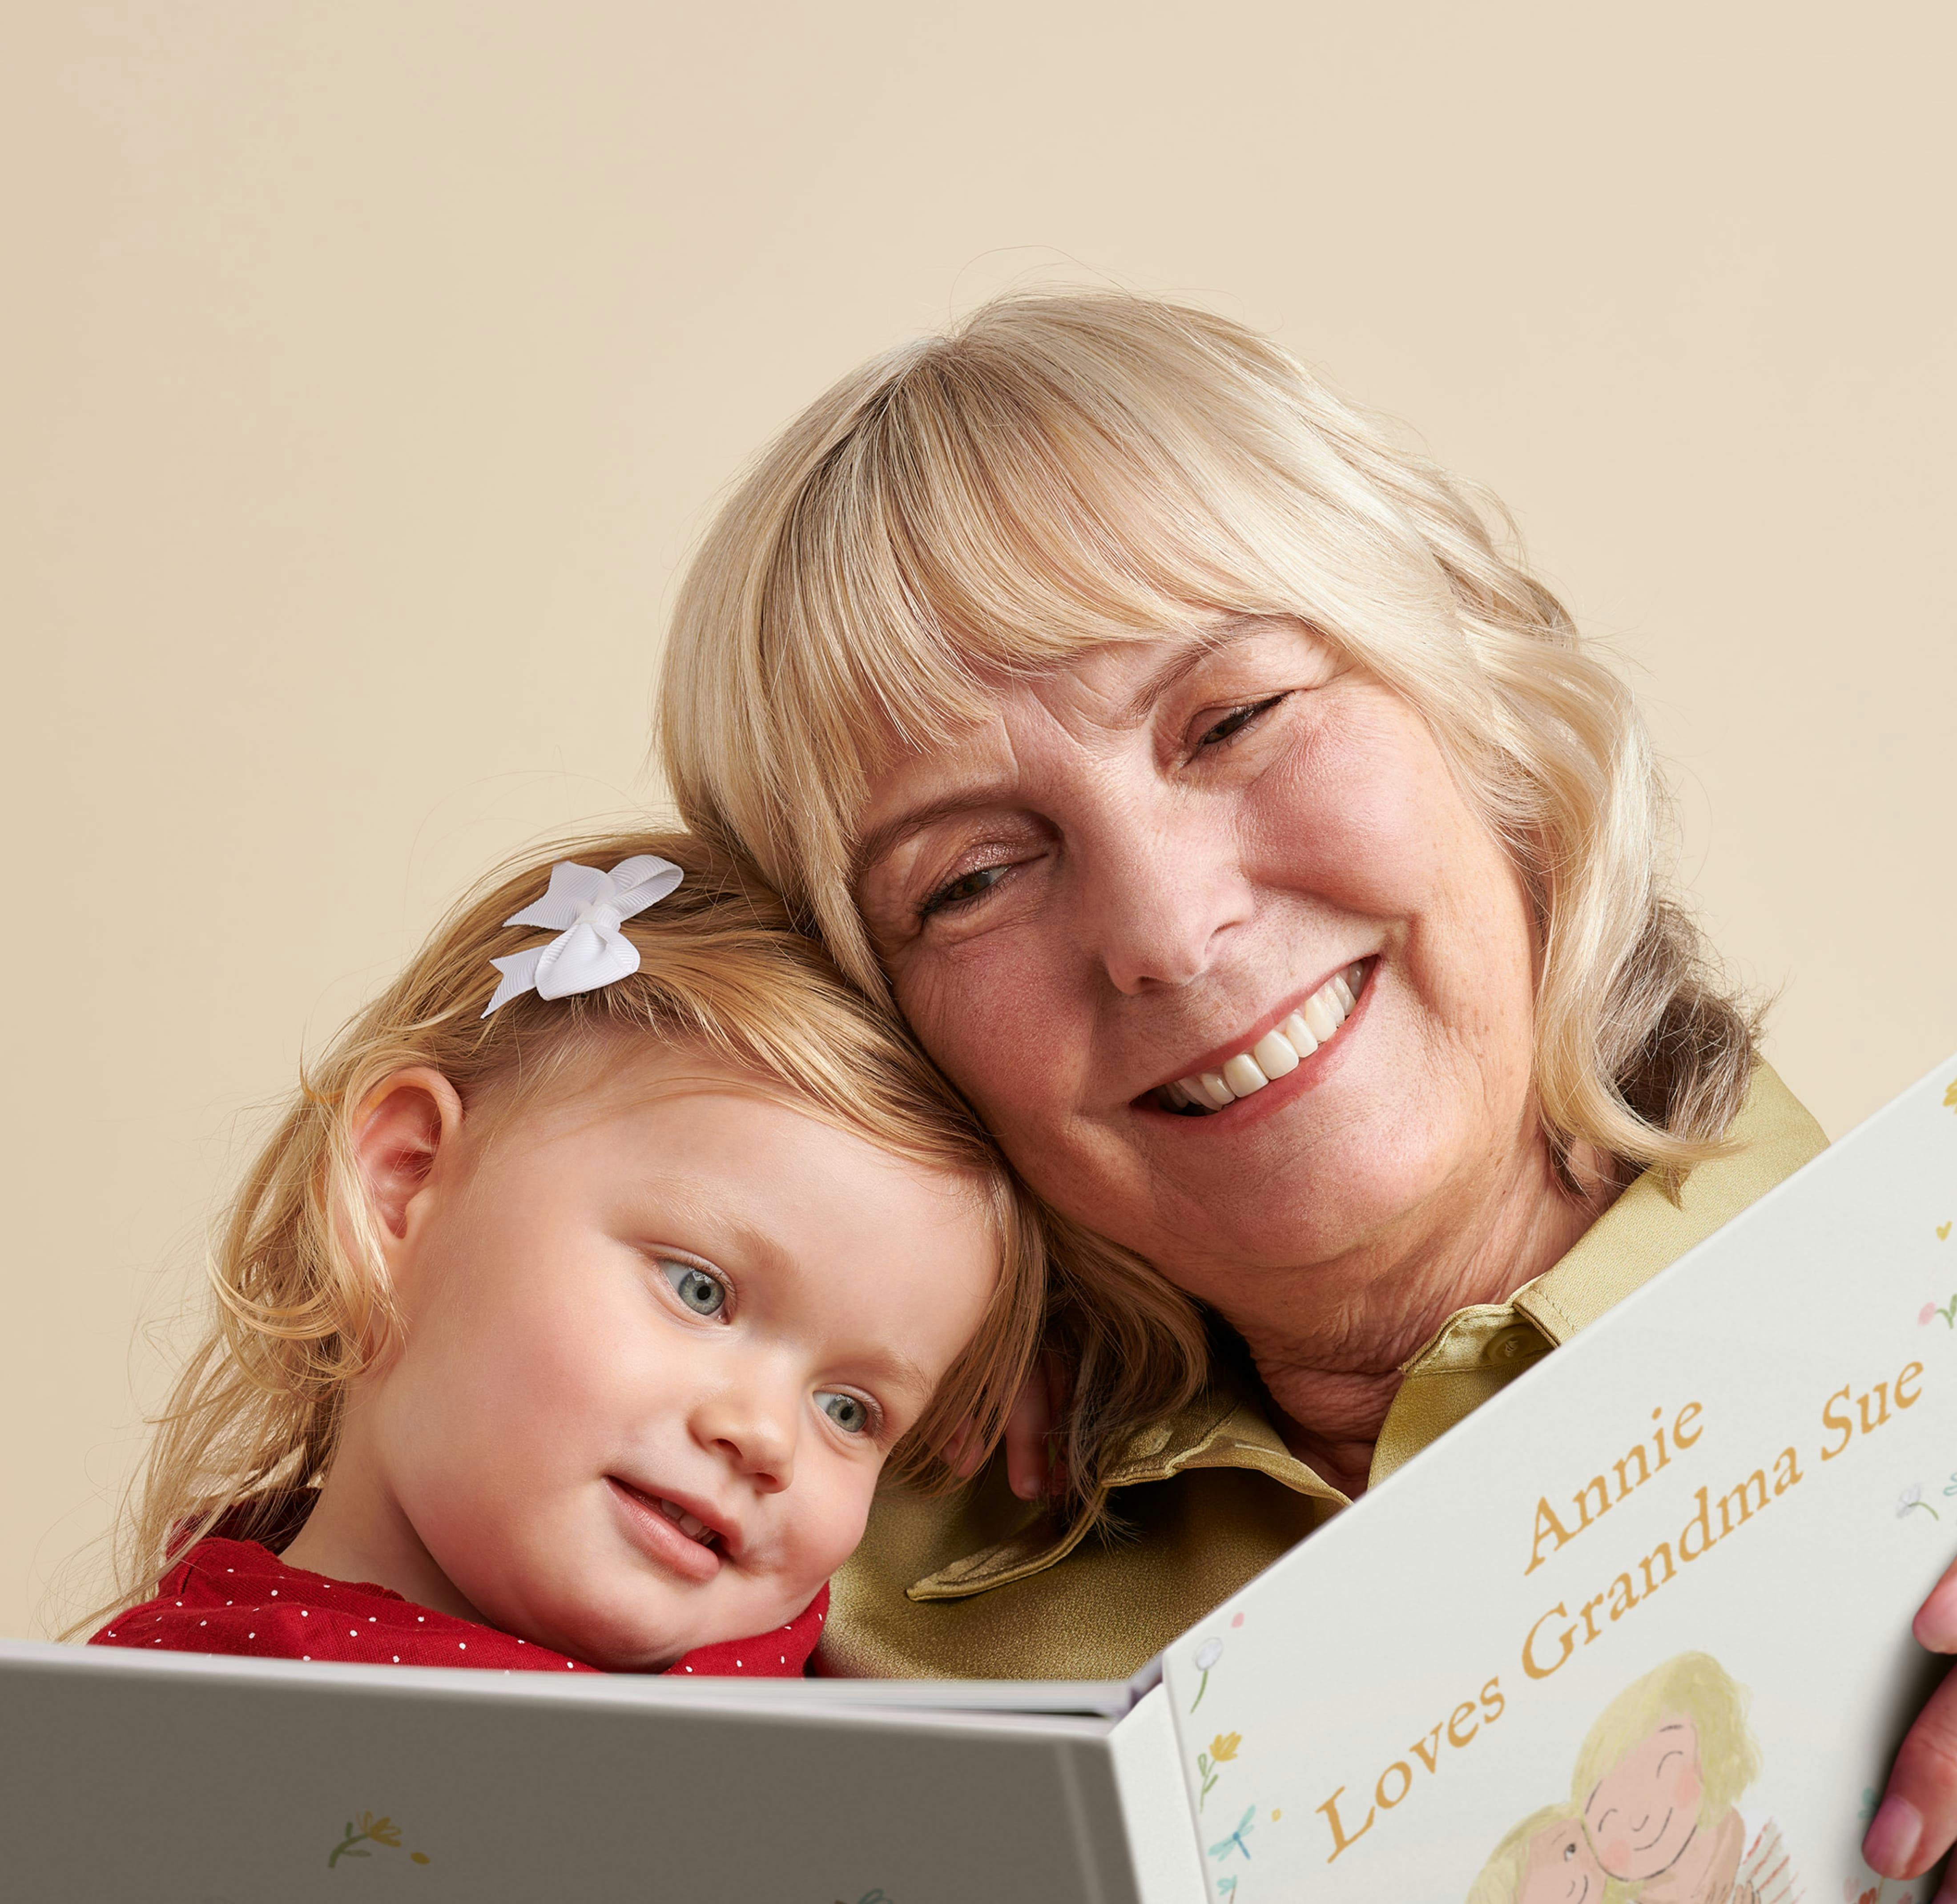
(1654, 1815)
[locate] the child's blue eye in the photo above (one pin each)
(704, 1295)
(851, 1413)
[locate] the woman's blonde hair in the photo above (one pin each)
(1058, 472)
(1500, 1880)
(302, 1303)
(1692, 1686)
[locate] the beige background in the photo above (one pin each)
(366, 370)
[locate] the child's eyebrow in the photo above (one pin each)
(894, 1366)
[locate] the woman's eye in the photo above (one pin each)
(851, 1413)
(1236, 721)
(966, 887)
(704, 1295)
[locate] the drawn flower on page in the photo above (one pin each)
(379, 1831)
(1206, 1657)
(1950, 1096)
(1223, 1750)
(1912, 1497)
(1923, 1315)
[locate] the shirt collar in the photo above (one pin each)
(1475, 1353)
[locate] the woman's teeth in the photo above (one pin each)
(1275, 1054)
(693, 1528)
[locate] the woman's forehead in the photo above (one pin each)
(1112, 686)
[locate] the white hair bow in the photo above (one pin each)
(587, 907)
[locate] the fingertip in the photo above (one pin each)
(1893, 1835)
(1935, 1625)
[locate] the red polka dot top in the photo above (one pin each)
(236, 1596)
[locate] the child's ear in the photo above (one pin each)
(400, 1133)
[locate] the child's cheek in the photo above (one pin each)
(1685, 1791)
(1614, 1853)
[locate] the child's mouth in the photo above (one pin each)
(689, 1524)
(670, 1534)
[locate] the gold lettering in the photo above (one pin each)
(1623, 1595)
(1651, 1585)
(1428, 1750)
(1546, 1524)
(1454, 1736)
(1845, 1426)
(1529, 1666)
(1406, 1784)
(1882, 1394)
(1701, 1523)
(1690, 1412)
(1625, 1485)
(1493, 1704)
(1909, 1375)
(1739, 1493)
(1589, 1619)
(1582, 1500)
(1339, 1840)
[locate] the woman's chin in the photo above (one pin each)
(1276, 1204)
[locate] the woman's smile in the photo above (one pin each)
(1280, 1048)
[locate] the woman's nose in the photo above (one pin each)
(752, 1424)
(1159, 901)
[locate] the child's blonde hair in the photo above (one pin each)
(303, 1305)
(1694, 1686)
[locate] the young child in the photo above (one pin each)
(1546, 1859)
(575, 1332)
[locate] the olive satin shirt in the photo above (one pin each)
(984, 1586)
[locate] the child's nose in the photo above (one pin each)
(753, 1425)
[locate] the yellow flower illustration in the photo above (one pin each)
(1950, 1097)
(1223, 1746)
(369, 1829)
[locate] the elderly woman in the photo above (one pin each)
(1255, 844)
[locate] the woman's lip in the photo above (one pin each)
(1218, 1055)
(1311, 1072)
(657, 1539)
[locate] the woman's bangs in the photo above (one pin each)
(994, 531)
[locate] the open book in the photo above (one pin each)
(1651, 1603)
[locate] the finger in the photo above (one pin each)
(1936, 1625)
(1917, 1821)
(1027, 1428)
(963, 1453)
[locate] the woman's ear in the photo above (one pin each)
(399, 1135)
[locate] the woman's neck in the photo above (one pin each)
(1331, 1347)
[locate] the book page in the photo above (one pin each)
(1640, 1628)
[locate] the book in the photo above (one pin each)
(1639, 1625)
